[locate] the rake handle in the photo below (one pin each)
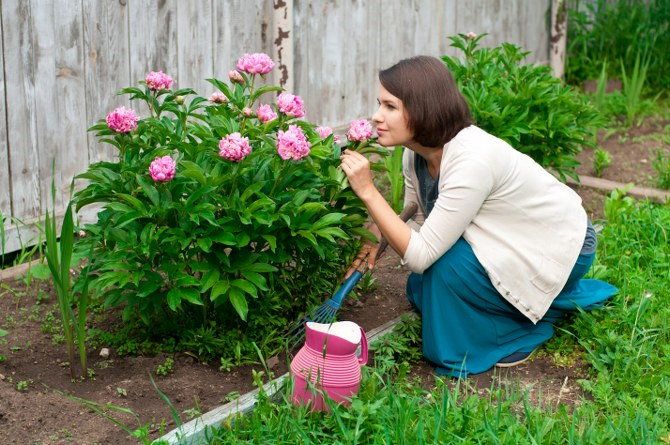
(405, 215)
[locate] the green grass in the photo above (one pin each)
(626, 344)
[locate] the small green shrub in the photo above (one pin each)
(601, 160)
(166, 367)
(524, 104)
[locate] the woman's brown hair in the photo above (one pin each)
(435, 109)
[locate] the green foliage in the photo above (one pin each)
(601, 160)
(524, 104)
(633, 84)
(166, 367)
(393, 164)
(662, 166)
(618, 30)
(59, 253)
(247, 245)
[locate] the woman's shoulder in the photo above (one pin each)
(474, 142)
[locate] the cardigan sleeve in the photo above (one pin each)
(465, 183)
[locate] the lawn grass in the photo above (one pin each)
(627, 345)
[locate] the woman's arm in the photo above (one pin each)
(357, 169)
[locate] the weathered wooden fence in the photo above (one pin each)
(64, 60)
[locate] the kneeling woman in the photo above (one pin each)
(503, 245)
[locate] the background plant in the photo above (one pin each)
(601, 160)
(239, 244)
(393, 164)
(58, 253)
(524, 104)
(662, 166)
(601, 30)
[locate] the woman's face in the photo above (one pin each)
(390, 120)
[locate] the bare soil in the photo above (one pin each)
(42, 415)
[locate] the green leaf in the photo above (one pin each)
(272, 241)
(205, 244)
(174, 299)
(246, 286)
(224, 238)
(260, 267)
(239, 303)
(220, 288)
(327, 220)
(134, 202)
(191, 295)
(40, 271)
(256, 278)
(3, 333)
(149, 190)
(209, 279)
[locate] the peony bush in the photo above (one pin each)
(222, 214)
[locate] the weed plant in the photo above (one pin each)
(662, 166)
(393, 164)
(603, 30)
(601, 160)
(626, 344)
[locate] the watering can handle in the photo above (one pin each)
(363, 359)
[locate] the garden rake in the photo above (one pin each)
(327, 312)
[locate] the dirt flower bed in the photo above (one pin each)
(33, 371)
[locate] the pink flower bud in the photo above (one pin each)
(235, 77)
(248, 112)
(158, 81)
(471, 35)
(234, 147)
(218, 98)
(257, 63)
(122, 120)
(359, 130)
(324, 132)
(292, 144)
(266, 114)
(291, 105)
(162, 169)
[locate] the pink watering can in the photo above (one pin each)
(328, 363)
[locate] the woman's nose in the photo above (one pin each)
(377, 117)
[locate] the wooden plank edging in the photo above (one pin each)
(657, 195)
(18, 270)
(195, 431)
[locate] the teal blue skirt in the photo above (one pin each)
(467, 326)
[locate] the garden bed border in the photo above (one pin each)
(194, 432)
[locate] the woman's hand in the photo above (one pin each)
(367, 253)
(357, 169)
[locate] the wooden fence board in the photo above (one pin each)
(107, 66)
(18, 29)
(69, 58)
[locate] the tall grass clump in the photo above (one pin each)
(604, 30)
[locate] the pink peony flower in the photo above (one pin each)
(218, 98)
(122, 120)
(471, 35)
(266, 114)
(234, 147)
(158, 81)
(248, 112)
(337, 139)
(235, 77)
(359, 130)
(324, 132)
(292, 144)
(291, 105)
(162, 169)
(257, 63)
